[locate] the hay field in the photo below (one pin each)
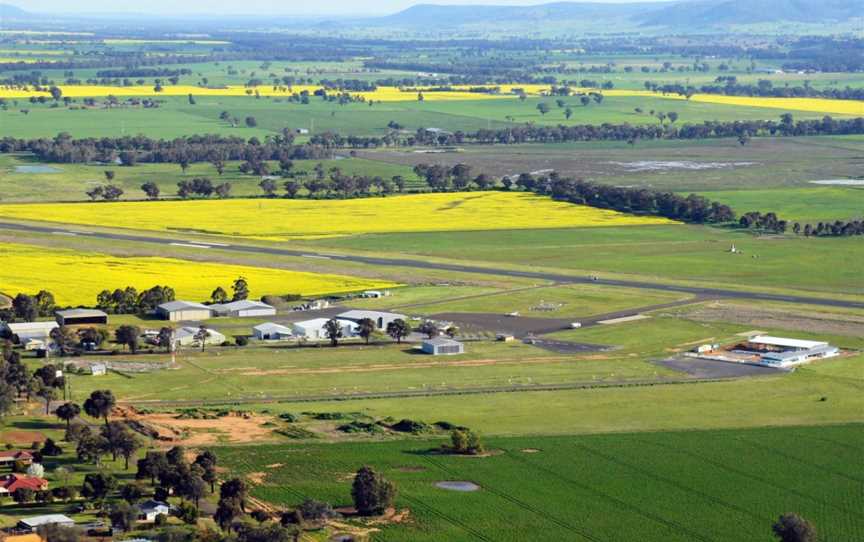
(282, 219)
(75, 278)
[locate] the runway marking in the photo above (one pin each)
(64, 233)
(189, 245)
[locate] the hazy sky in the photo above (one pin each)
(218, 7)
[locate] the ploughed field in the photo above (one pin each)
(727, 485)
(76, 278)
(282, 219)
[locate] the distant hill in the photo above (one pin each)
(8, 11)
(442, 15)
(721, 12)
(677, 15)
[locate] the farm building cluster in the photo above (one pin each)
(768, 350)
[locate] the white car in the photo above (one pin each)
(575, 325)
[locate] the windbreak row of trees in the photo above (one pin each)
(728, 85)
(532, 133)
(130, 150)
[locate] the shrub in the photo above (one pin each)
(288, 417)
(410, 426)
(241, 340)
(316, 510)
(372, 493)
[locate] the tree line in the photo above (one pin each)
(729, 86)
(129, 150)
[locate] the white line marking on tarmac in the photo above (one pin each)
(188, 245)
(316, 256)
(64, 233)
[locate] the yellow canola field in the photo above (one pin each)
(814, 105)
(283, 219)
(383, 94)
(76, 278)
(395, 94)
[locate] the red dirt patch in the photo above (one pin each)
(19, 438)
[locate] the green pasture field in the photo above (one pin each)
(255, 372)
(566, 301)
(691, 253)
(783, 400)
(177, 117)
(814, 204)
(707, 485)
(70, 182)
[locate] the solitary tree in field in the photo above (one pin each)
(100, 404)
(333, 329)
(584, 100)
(372, 493)
(794, 528)
(251, 122)
(568, 113)
(68, 412)
(673, 116)
(151, 189)
(543, 108)
(365, 328)
(109, 175)
(398, 329)
(269, 187)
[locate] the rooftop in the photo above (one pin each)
(240, 305)
(182, 305)
(81, 313)
(271, 326)
(441, 341)
(47, 519)
(32, 326)
(357, 314)
(784, 342)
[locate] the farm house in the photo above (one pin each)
(176, 311)
(314, 329)
(442, 346)
(75, 317)
(269, 331)
(381, 319)
(243, 309)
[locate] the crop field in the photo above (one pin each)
(395, 94)
(668, 486)
(75, 278)
(280, 219)
(25, 179)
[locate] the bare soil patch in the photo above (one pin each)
(530, 450)
(170, 430)
(21, 438)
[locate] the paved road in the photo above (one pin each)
(421, 264)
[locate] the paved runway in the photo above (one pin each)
(421, 264)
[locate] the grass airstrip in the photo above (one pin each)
(280, 219)
(396, 94)
(75, 278)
